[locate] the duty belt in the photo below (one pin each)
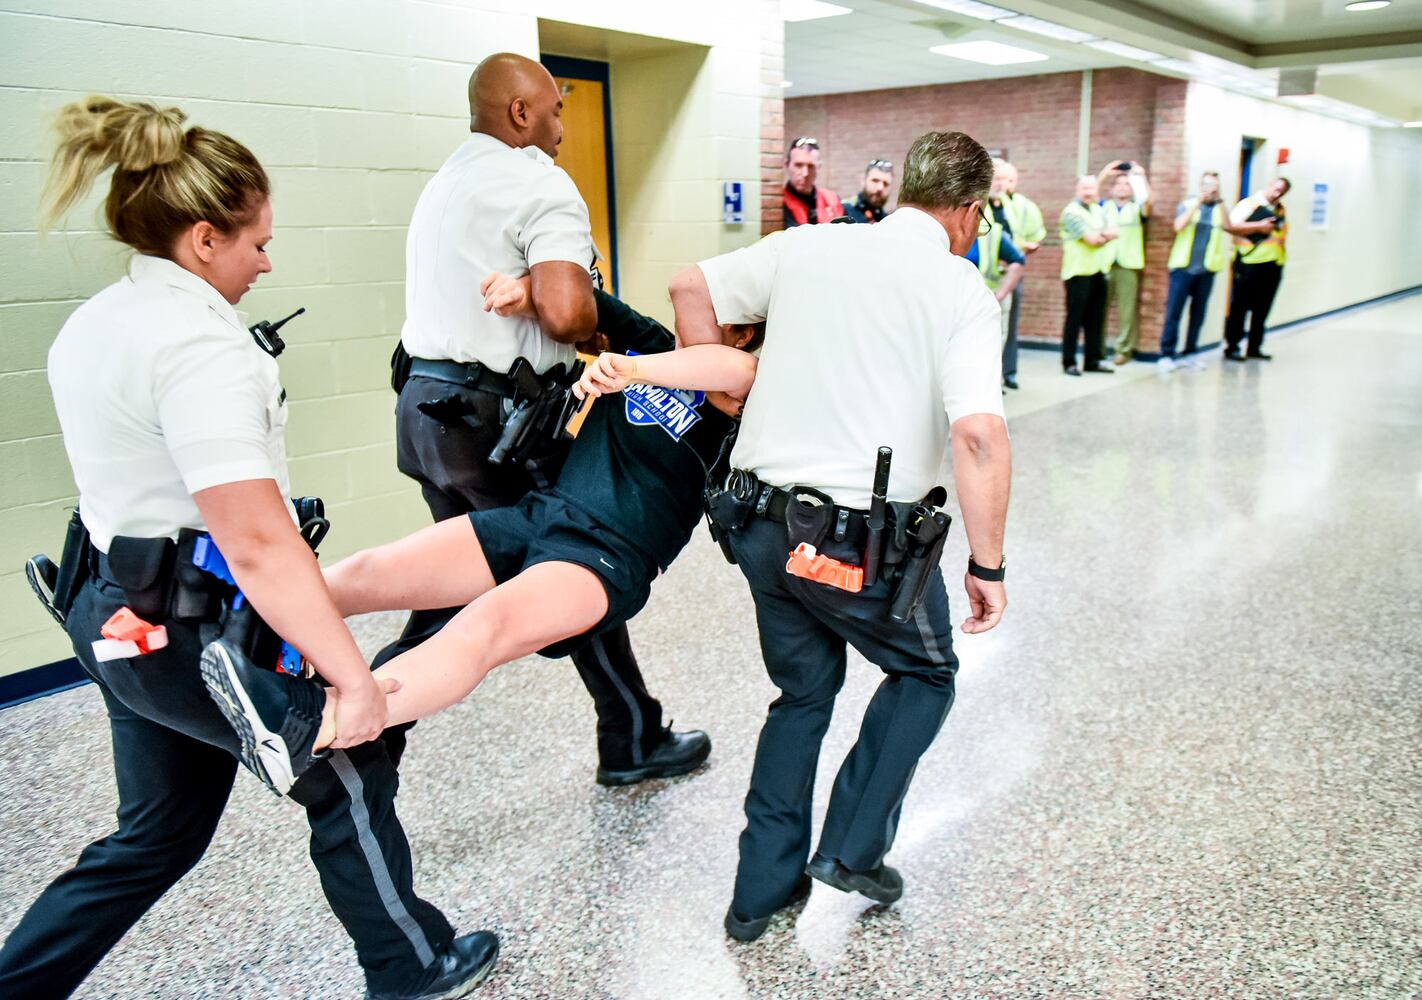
(472, 375)
(848, 524)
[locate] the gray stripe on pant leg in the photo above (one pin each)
(930, 639)
(601, 654)
(379, 871)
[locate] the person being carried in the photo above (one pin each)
(565, 562)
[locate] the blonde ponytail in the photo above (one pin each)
(165, 178)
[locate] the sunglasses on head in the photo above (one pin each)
(805, 142)
(886, 165)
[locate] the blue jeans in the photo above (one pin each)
(1196, 288)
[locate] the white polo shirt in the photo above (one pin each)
(491, 207)
(161, 392)
(875, 335)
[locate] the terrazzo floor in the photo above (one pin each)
(1188, 765)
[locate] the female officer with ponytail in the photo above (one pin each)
(173, 420)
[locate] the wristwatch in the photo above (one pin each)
(990, 575)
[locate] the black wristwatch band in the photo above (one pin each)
(990, 575)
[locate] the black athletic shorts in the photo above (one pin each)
(543, 528)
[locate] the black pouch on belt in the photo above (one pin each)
(805, 521)
(143, 567)
(399, 366)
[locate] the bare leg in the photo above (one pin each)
(437, 567)
(542, 605)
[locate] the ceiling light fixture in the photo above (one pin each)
(1050, 29)
(1361, 5)
(989, 53)
(969, 8)
(786, 83)
(810, 10)
(1124, 51)
(1416, 124)
(1178, 66)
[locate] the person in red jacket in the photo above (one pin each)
(805, 203)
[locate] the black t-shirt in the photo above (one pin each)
(640, 461)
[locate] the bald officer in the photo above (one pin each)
(499, 204)
(916, 368)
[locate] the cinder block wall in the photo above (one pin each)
(1134, 115)
(351, 106)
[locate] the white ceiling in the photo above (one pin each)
(883, 44)
(1372, 59)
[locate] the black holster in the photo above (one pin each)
(925, 536)
(73, 564)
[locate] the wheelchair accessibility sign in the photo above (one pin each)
(673, 410)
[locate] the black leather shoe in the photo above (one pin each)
(1098, 370)
(748, 930)
(1010, 381)
(882, 885)
(1260, 356)
(677, 753)
(1071, 370)
(1233, 356)
(462, 966)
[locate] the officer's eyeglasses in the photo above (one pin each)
(984, 223)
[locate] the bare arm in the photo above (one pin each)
(562, 294)
(1009, 280)
(277, 571)
(982, 472)
(712, 367)
(695, 315)
(1182, 219)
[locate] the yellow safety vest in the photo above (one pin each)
(989, 248)
(1025, 218)
(1216, 249)
(1271, 248)
(1128, 248)
(1078, 256)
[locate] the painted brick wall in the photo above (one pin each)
(1034, 120)
(772, 114)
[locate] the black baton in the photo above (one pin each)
(878, 500)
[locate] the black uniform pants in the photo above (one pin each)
(1085, 318)
(450, 462)
(805, 628)
(1252, 295)
(174, 762)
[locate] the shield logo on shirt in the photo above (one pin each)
(673, 410)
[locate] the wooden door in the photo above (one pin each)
(584, 151)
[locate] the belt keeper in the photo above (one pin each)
(763, 501)
(841, 525)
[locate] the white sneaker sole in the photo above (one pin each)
(263, 751)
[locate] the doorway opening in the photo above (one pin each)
(586, 150)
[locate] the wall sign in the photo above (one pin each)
(733, 211)
(1318, 211)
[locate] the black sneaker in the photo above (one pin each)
(882, 884)
(748, 929)
(1260, 356)
(1233, 355)
(276, 717)
(465, 964)
(677, 753)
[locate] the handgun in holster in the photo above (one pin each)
(542, 407)
(919, 535)
(729, 507)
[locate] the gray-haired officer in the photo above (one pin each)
(499, 204)
(841, 375)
